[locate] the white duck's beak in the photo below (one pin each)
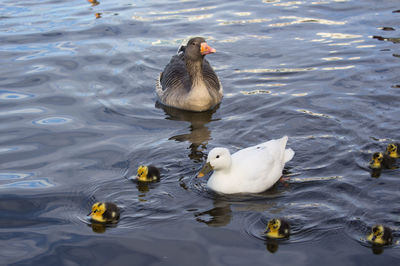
(205, 170)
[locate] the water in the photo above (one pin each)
(78, 115)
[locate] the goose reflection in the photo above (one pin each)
(220, 215)
(94, 2)
(198, 135)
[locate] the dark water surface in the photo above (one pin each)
(78, 115)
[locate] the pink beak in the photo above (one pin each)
(206, 49)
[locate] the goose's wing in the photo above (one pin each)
(210, 77)
(175, 74)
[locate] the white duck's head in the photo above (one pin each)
(218, 159)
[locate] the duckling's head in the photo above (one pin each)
(391, 150)
(376, 161)
(276, 228)
(274, 225)
(219, 159)
(142, 173)
(98, 210)
(376, 234)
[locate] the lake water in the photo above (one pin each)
(78, 115)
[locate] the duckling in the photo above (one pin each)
(380, 235)
(277, 228)
(379, 159)
(105, 212)
(392, 150)
(148, 173)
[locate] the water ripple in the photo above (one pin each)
(56, 120)
(13, 95)
(28, 184)
(12, 176)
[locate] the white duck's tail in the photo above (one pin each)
(289, 153)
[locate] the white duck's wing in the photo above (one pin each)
(250, 168)
(261, 166)
(277, 146)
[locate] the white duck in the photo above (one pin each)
(251, 170)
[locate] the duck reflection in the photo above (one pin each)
(144, 187)
(101, 227)
(377, 250)
(271, 245)
(376, 173)
(98, 228)
(220, 215)
(198, 135)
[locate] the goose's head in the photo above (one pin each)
(197, 48)
(218, 159)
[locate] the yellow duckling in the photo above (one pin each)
(380, 235)
(392, 150)
(148, 173)
(380, 160)
(277, 228)
(105, 212)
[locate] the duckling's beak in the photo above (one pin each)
(373, 238)
(206, 49)
(205, 170)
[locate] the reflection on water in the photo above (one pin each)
(376, 173)
(98, 227)
(198, 135)
(377, 250)
(220, 215)
(144, 187)
(271, 245)
(94, 2)
(101, 228)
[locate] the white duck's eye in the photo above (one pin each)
(217, 156)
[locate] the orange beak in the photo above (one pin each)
(206, 49)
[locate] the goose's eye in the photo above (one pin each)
(217, 156)
(193, 43)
